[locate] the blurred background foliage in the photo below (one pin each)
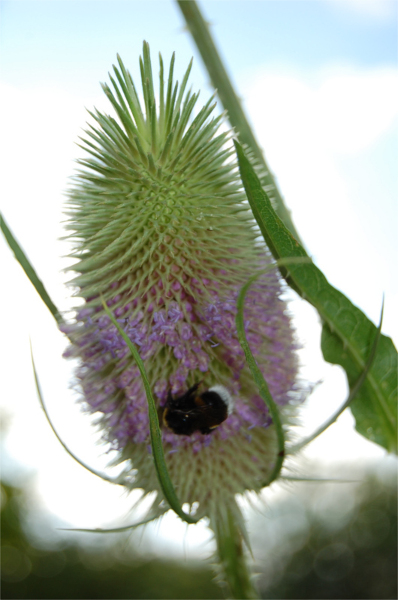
(332, 540)
(314, 540)
(71, 570)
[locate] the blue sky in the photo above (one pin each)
(318, 80)
(62, 40)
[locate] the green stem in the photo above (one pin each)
(230, 101)
(231, 554)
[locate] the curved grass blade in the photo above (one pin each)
(112, 530)
(156, 436)
(230, 101)
(29, 270)
(117, 481)
(257, 375)
(347, 335)
(260, 381)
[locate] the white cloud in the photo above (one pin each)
(383, 10)
(355, 110)
(345, 112)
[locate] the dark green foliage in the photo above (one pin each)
(355, 561)
(71, 572)
(352, 558)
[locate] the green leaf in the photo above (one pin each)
(156, 435)
(354, 390)
(348, 335)
(29, 270)
(372, 412)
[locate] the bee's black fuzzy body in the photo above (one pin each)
(197, 412)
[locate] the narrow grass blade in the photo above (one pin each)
(103, 476)
(29, 270)
(112, 530)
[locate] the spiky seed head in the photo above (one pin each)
(162, 231)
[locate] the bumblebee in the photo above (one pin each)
(197, 412)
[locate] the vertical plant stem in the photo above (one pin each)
(231, 555)
(230, 101)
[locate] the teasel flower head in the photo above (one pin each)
(163, 233)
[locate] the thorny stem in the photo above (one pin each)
(231, 555)
(230, 101)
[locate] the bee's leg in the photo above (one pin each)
(194, 388)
